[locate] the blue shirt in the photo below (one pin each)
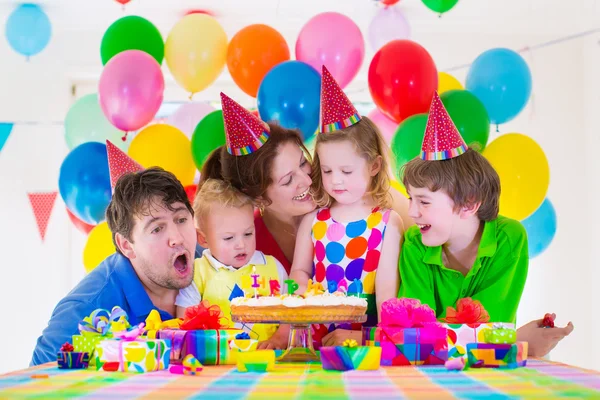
(112, 283)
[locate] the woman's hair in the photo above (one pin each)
(251, 174)
(216, 191)
(369, 144)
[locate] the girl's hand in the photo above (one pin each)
(337, 337)
(542, 340)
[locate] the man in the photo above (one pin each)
(152, 223)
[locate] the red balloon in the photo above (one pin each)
(389, 2)
(402, 79)
(123, 1)
(79, 224)
(191, 192)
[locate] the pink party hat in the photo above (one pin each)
(442, 141)
(244, 132)
(337, 112)
(119, 163)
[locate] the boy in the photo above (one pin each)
(225, 224)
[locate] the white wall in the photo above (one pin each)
(35, 275)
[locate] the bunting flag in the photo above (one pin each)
(5, 130)
(42, 204)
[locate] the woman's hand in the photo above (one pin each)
(542, 340)
(337, 337)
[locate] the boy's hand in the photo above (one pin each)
(273, 343)
(337, 337)
(542, 340)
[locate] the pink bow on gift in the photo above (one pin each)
(132, 334)
(407, 313)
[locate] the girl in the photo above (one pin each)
(352, 241)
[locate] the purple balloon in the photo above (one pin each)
(131, 89)
(333, 40)
(386, 126)
(387, 25)
(187, 117)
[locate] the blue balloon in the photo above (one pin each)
(290, 94)
(28, 29)
(84, 182)
(541, 228)
(501, 79)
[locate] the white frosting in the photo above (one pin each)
(293, 301)
(325, 300)
(270, 301)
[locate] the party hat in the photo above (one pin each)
(244, 132)
(119, 163)
(337, 112)
(442, 141)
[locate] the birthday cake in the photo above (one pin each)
(330, 306)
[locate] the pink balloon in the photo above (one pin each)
(388, 24)
(386, 126)
(187, 117)
(333, 40)
(131, 89)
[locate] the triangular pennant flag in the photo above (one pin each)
(42, 204)
(5, 130)
(244, 132)
(337, 111)
(442, 141)
(119, 163)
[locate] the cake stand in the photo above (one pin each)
(300, 346)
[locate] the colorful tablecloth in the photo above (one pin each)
(541, 379)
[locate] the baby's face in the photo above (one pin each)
(229, 234)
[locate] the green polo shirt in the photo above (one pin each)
(496, 279)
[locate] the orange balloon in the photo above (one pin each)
(252, 52)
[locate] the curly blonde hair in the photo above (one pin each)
(216, 191)
(369, 144)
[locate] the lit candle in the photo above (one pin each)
(255, 283)
(292, 286)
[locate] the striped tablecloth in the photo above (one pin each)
(540, 379)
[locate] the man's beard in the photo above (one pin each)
(165, 281)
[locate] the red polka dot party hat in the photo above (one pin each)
(442, 141)
(244, 132)
(119, 163)
(337, 112)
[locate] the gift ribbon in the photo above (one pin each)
(122, 359)
(101, 322)
(154, 323)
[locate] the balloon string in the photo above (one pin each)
(124, 138)
(191, 96)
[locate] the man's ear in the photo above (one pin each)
(125, 246)
(201, 238)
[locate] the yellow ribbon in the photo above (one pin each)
(154, 323)
(350, 343)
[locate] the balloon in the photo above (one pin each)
(386, 126)
(341, 52)
(164, 146)
(389, 2)
(252, 52)
(399, 187)
(28, 29)
(187, 117)
(447, 82)
(388, 24)
(99, 245)
(208, 135)
(84, 182)
(123, 1)
(191, 192)
(131, 89)
(310, 144)
(406, 143)
(541, 228)
(469, 116)
(195, 51)
(290, 94)
(440, 6)
(501, 79)
(85, 122)
(132, 33)
(402, 79)
(524, 174)
(79, 224)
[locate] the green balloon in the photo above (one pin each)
(85, 122)
(469, 116)
(208, 135)
(407, 141)
(132, 33)
(440, 6)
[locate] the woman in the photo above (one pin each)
(277, 176)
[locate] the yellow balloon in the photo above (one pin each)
(196, 51)
(165, 146)
(524, 174)
(447, 82)
(99, 245)
(399, 187)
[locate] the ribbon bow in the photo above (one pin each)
(101, 322)
(407, 313)
(154, 323)
(67, 347)
(468, 311)
(130, 335)
(350, 343)
(202, 317)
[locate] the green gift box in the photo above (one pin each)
(500, 334)
(87, 343)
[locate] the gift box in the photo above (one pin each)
(408, 334)
(87, 344)
(212, 346)
(140, 355)
(500, 334)
(350, 356)
(243, 343)
(487, 355)
(73, 360)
